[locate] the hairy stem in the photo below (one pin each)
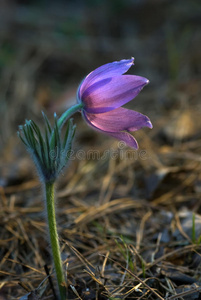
(54, 241)
(64, 117)
(68, 113)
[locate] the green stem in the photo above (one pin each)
(68, 113)
(54, 241)
(64, 117)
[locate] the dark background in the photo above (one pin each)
(47, 47)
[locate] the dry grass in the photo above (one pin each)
(113, 247)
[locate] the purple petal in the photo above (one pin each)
(111, 93)
(126, 137)
(119, 119)
(122, 136)
(115, 68)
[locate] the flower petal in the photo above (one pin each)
(122, 136)
(111, 93)
(115, 68)
(126, 137)
(119, 119)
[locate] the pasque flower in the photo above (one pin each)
(102, 94)
(100, 97)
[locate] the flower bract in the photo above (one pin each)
(102, 94)
(50, 153)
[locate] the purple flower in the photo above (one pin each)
(102, 94)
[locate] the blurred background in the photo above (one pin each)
(47, 47)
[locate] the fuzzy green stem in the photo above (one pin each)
(64, 117)
(54, 241)
(68, 113)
